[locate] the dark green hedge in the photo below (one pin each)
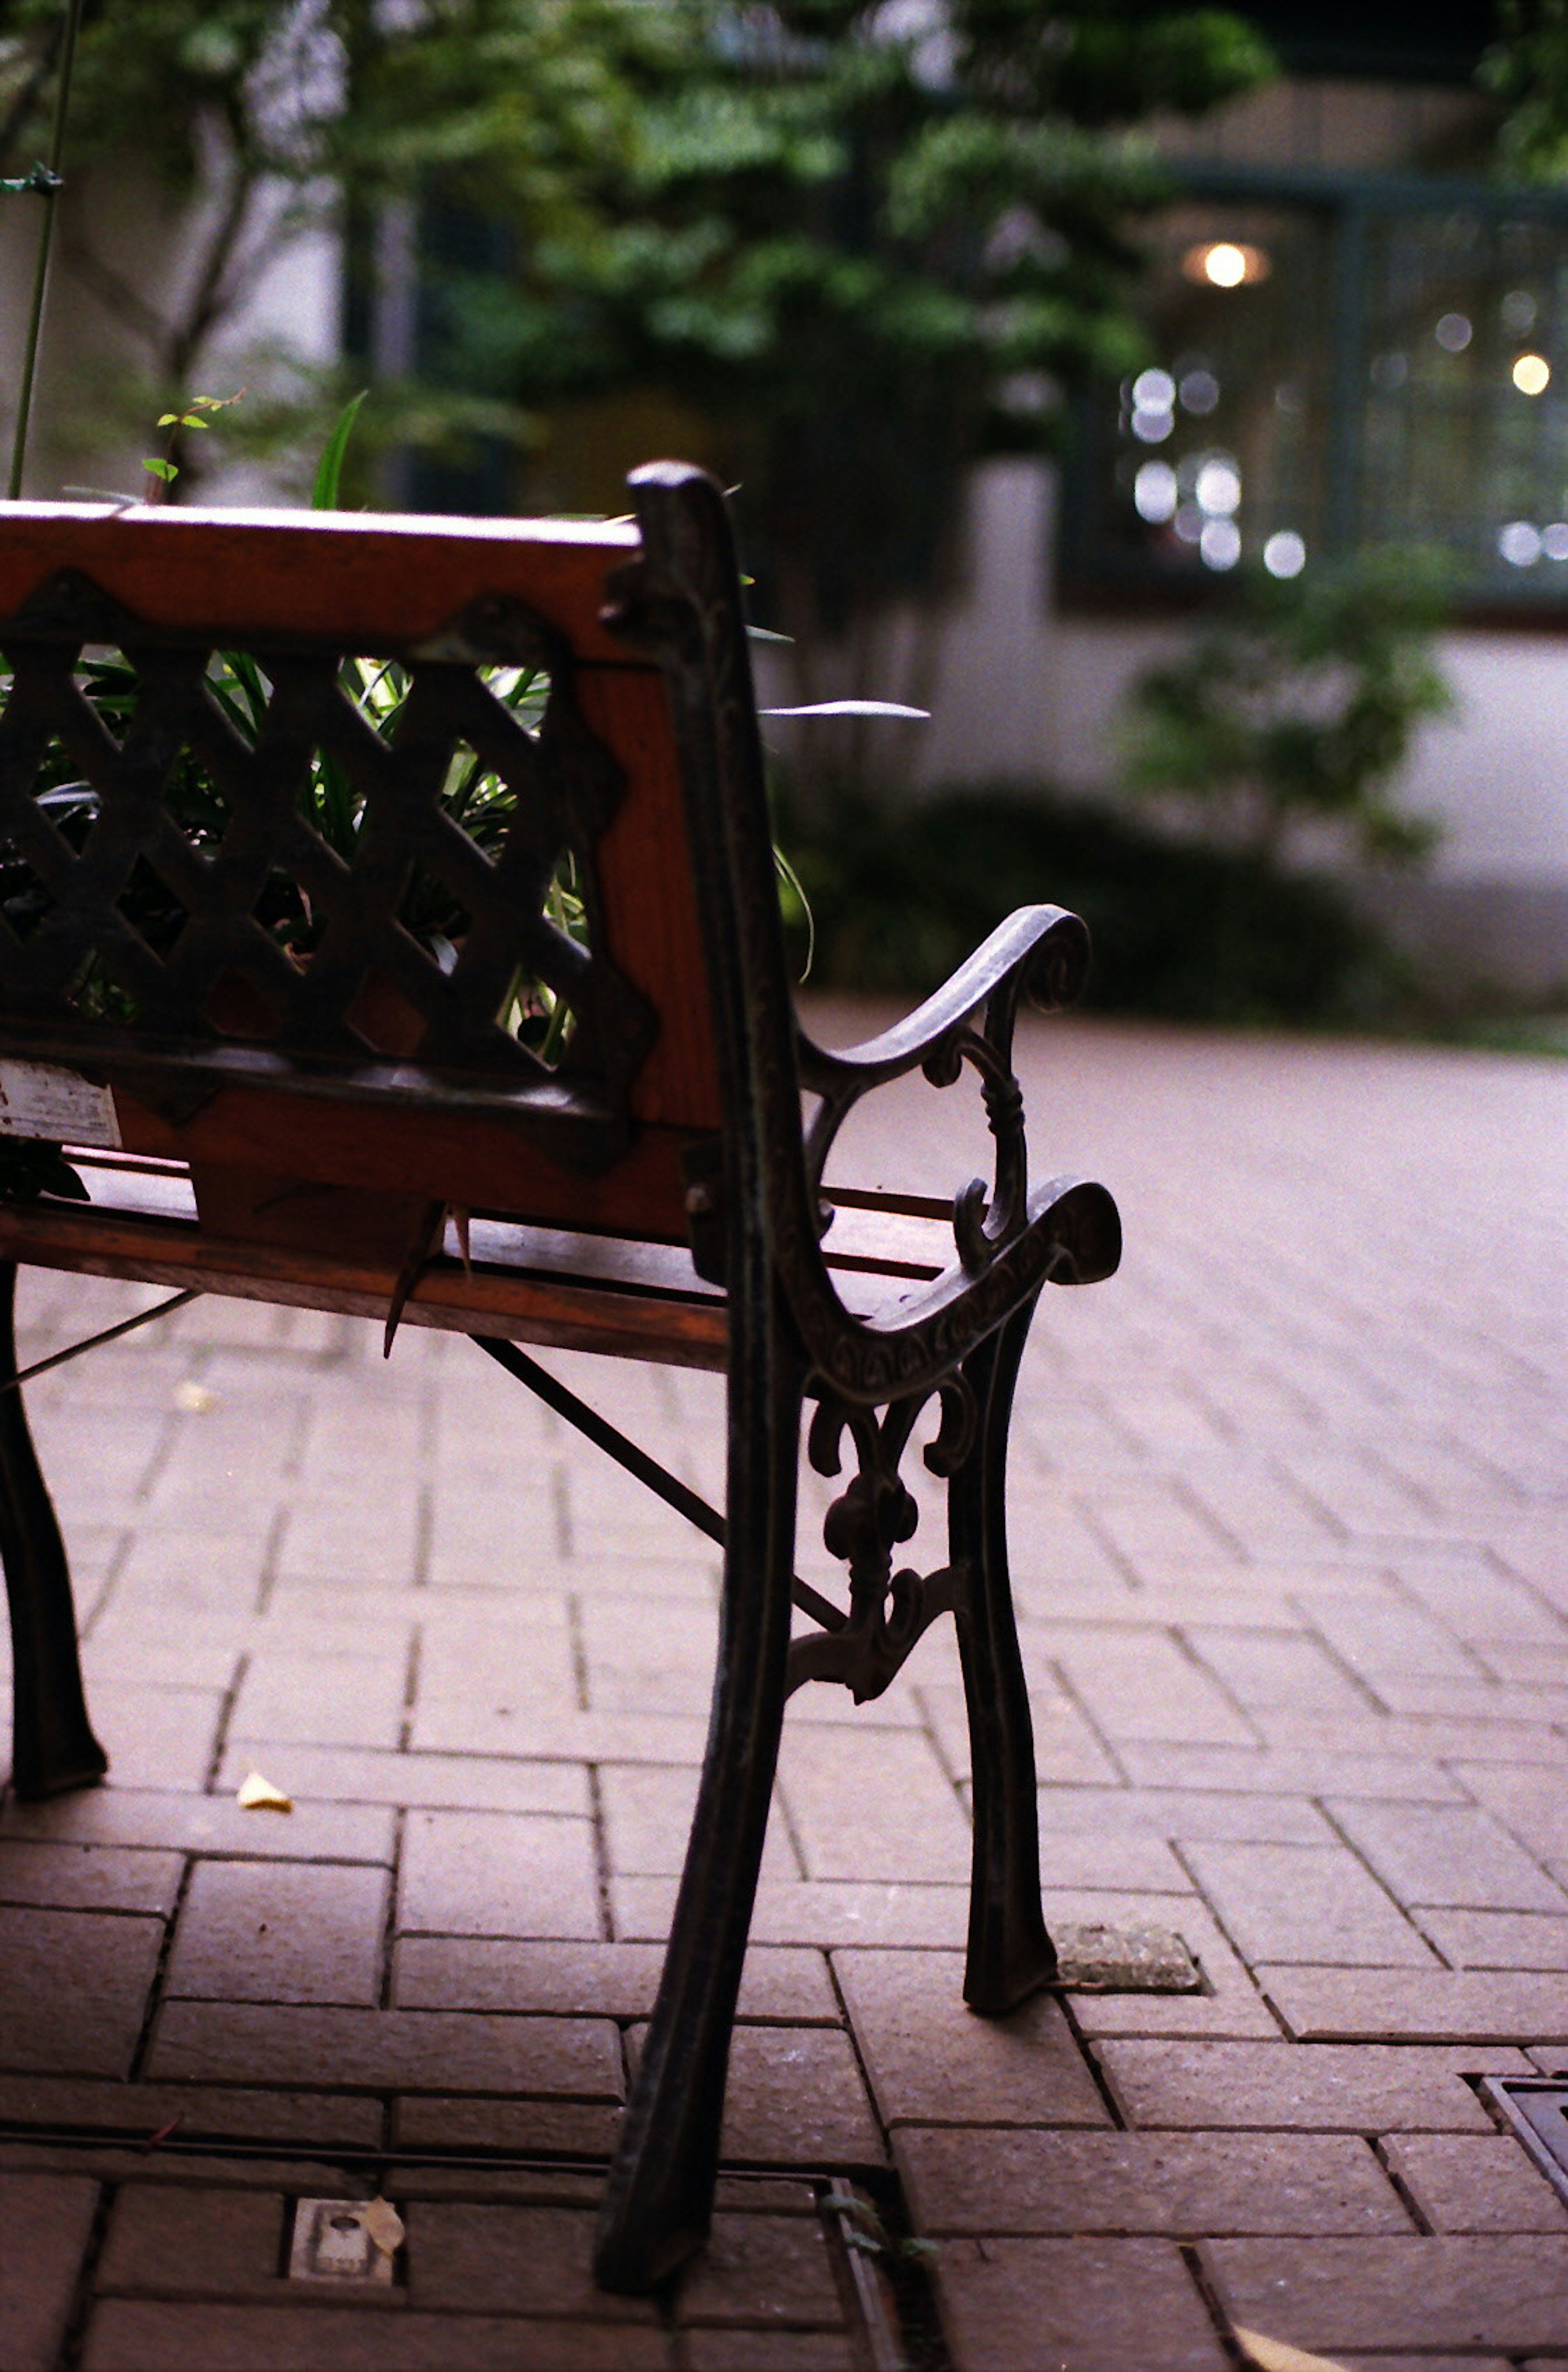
(1180, 929)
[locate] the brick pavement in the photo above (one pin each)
(1288, 1548)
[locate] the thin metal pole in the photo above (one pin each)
(51, 194)
(647, 1470)
(110, 1334)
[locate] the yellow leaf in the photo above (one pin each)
(258, 1795)
(383, 2226)
(1279, 2356)
(194, 1399)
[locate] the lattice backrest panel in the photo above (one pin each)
(248, 847)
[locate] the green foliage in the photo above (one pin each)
(1297, 706)
(328, 482)
(855, 244)
(1526, 69)
(1180, 930)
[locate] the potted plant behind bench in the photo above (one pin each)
(260, 934)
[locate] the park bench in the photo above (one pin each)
(346, 1126)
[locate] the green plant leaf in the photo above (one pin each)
(329, 468)
(166, 470)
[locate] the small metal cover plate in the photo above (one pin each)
(332, 2244)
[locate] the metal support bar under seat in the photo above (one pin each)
(647, 1470)
(110, 1334)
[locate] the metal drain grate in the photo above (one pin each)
(1536, 2108)
(889, 2322)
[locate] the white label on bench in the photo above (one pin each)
(45, 1099)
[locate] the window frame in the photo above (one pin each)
(1092, 575)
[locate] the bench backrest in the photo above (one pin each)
(342, 1046)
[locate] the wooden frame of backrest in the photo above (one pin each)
(388, 586)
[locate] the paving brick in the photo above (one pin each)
(932, 2060)
(1262, 2087)
(519, 2127)
(596, 1980)
(433, 1782)
(1457, 1742)
(1499, 2292)
(1178, 1814)
(374, 1532)
(1497, 1939)
(795, 2097)
(280, 1932)
(120, 1649)
(492, 1723)
(1312, 1902)
(1531, 1805)
(771, 2350)
(1410, 2005)
(1424, 2363)
(385, 2050)
(206, 1824)
(1268, 1668)
(89, 1877)
(157, 1737)
(132, 2336)
(985, 2181)
(1475, 2183)
(199, 2112)
(647, 1820)
(1447, 1854)
(322, 1700)
(645, 1657)
(1139, 1683)
(873, 1804)
(74, 1988)
(1291, 1770)
(761, 2273)
(1066, 1749)
(46, 2221)
(1072, 2305)
(1465, 1591)
(164, 2241)
(823, 1915)
(1467, 1701)
(1384, 1639)
(527, 2260)
(498, 1874)
(1229, 2005)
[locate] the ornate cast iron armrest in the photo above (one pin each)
(1042, 951)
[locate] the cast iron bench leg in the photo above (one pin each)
(1010, 1954)
(53, 1744)
(658, 2201)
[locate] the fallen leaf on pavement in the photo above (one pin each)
(379, 2219)
(1279, 2356)
(194, 1399)
(258, 1795)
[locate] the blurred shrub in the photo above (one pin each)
(1180, 929)
(1294, 709)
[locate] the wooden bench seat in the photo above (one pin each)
(276, 1082)
(624, 1296)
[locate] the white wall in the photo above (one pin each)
(1024, 693)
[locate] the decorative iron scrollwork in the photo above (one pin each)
(872, 1515)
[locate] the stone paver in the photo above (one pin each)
(1288, 1550)
(46, 2221)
